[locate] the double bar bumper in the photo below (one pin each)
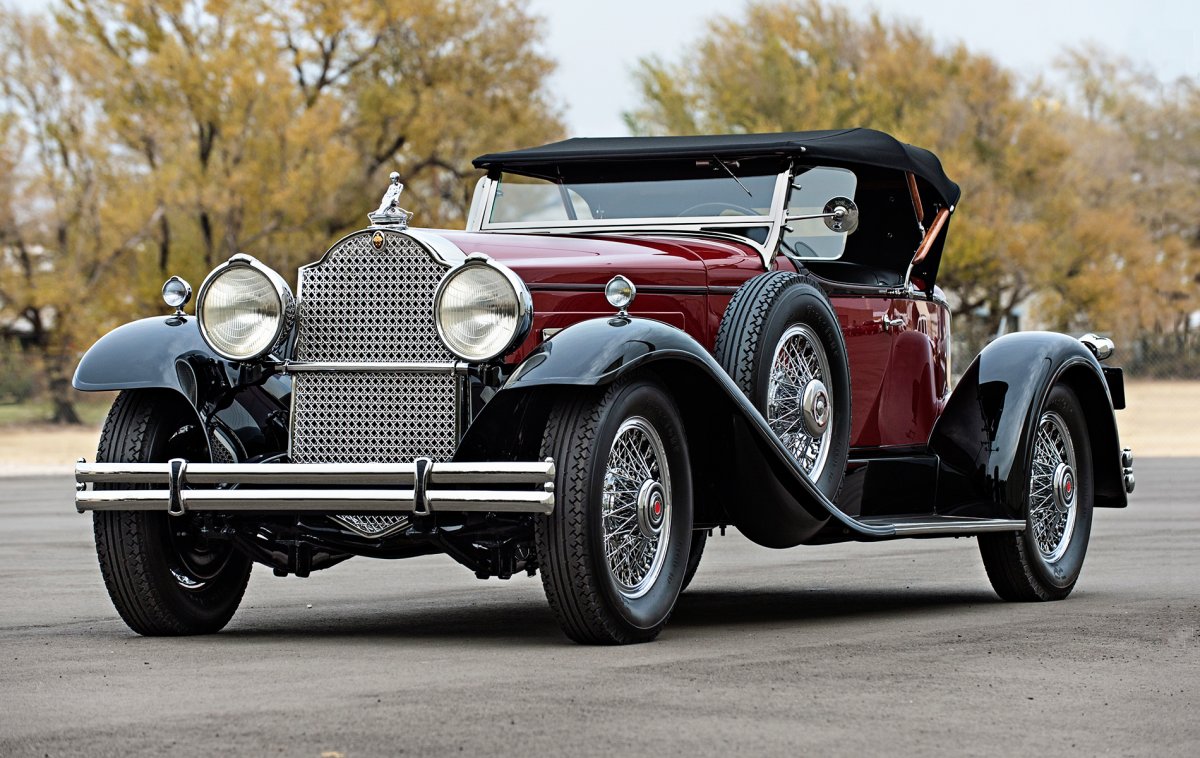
(421, 487)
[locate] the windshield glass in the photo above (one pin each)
(708, 192)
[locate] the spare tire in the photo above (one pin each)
(781, 343)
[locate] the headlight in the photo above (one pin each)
(244, 308)
(482, 309)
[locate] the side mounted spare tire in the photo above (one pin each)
(781, 343)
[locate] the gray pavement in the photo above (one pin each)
(898, 649)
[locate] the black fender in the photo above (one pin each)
(238, 405)
(742, 473)
(984, 436)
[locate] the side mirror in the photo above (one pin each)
(841, 215)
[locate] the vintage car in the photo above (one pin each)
(636, 341)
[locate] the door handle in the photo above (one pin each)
(891, 323)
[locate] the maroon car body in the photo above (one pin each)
(635, 341)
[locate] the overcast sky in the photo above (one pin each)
(597, 44)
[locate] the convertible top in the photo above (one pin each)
(849, 146)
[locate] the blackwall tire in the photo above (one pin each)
(699, 540)
(599, 594)
(1044, 561)
(163, 577)
(769, 315)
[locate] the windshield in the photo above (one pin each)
(710, 191)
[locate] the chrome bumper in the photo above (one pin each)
(421, 487)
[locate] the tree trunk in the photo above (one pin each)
(60, 396)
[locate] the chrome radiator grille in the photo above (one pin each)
(362, 305)
(373, 417)
(368, 305)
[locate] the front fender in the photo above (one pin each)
(235, 403)
(742, 472)
(984, 437)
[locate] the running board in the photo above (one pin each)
(941, 526)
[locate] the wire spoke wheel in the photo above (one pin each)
(799, 407)
(636, 507)
(1052, 487)
(1043, 561)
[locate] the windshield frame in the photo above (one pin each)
(485, 198)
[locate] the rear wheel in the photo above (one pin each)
(164, 576)
(1043, 562)
(614, 552)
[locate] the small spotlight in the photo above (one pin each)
(620, 293)
(176, 293)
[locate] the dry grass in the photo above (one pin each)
(29, 449)
(1162, 420)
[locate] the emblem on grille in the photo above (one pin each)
(389, 212)
(377, 240)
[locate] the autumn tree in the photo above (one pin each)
(1151, 147)
(1045, 218)
(252, 126)
(67, 231)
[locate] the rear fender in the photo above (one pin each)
(984, 437)
(237, 405)
(742, 473)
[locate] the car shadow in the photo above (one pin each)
(525, 622)
(713, 608)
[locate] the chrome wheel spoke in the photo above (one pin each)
(635, 534)
(799, 360)
(1051, 496)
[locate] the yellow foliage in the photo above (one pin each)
(1059, 211)
(142, 139)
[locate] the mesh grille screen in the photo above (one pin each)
(366, 305)
(372, 417)
(363, 304)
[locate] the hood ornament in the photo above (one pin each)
(389, 212)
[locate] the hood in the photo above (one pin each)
(557, 261)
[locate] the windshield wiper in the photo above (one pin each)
(732, 175)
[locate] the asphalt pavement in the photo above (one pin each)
(898, 648)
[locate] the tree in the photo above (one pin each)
(1036, 218)
(189, 130)
(65, 234)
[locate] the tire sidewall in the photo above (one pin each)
(1063, 573)
(649, 401)
(206, 608)
(802, 303)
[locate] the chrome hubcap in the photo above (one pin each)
(1052, 488)
(651, 506)
(1064, 488)
(636, 507)
(799, 408)
(816, 408)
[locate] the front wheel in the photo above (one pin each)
(614, 552)
(164, 575)
(1043, 562)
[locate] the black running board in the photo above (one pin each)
(940, 526)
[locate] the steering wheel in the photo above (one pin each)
(719, 206)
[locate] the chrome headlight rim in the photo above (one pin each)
(287, 307)
(521, 294)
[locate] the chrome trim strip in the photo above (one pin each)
(402, 488)
(947, 525)
(618, 223)
(332, 501)
(297, 367)
(347, 474)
